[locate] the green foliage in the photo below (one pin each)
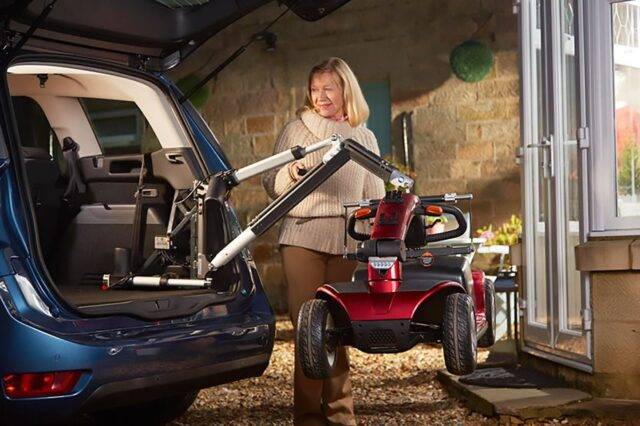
(628, 166)
(507, 234)
(200, 97)
(471, 61)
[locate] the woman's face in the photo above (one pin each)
(327, 96)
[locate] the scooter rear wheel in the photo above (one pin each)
(489, 336)
(315, 346)
(459, 338)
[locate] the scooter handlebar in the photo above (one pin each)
(351, 225)
(460, 230)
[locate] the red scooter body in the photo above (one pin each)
(398, 301)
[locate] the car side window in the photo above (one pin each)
(120, 127)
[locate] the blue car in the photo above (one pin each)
(108, 306)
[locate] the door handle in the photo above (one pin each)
(175, 158)
(546, 144)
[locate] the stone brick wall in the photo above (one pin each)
(464, 133)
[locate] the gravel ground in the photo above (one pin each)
(388, 389)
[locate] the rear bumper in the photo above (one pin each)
(136, 372)
(138, 390)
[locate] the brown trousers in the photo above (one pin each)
(317, 402)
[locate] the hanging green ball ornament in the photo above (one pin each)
(471, 61)
(200, 97)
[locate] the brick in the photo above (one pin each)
(442, 186)
(438, 170)
(476, 151)
(222, 109)
(430, 150)
(505, 149)
(615, 296)
(267, 102)
(438, 124)
(260, 124)
(453, 92)
(263, 146)
(499, 167)
(615, 345)
(236, 146)
(465, 170)
(236, 125)
(499, 89)
(488, 110)
(507, 64)
(496, 130)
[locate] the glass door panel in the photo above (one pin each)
(536, 324)
(570, 283)
(554, 290)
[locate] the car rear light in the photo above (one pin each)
(34, 385)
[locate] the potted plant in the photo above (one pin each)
(498, 243)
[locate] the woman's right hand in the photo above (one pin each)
(297, 170)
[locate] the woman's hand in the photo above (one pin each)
(297, 170)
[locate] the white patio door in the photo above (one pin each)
(556, 320)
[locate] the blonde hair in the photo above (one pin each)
(355, 105)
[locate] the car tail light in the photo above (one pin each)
(34, 385)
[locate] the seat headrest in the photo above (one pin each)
(35, 153)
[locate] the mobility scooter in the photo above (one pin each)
(409, 293)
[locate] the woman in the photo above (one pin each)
(311, 236)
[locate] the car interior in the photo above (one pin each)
(112, 174)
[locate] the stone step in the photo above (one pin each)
(516, 405)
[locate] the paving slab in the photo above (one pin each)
(524, 403)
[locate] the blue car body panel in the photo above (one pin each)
(125, 359)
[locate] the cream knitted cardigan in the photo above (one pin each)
(316, 223)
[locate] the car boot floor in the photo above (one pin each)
(88, 295)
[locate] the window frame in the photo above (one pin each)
(135, 111)
(601, 123)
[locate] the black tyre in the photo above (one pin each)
(459, 340)
(315, 346)
(489, 336)
(152, 413)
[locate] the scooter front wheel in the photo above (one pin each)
(316, 347)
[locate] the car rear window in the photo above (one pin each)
(120, 127)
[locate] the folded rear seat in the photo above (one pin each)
(46, 192)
